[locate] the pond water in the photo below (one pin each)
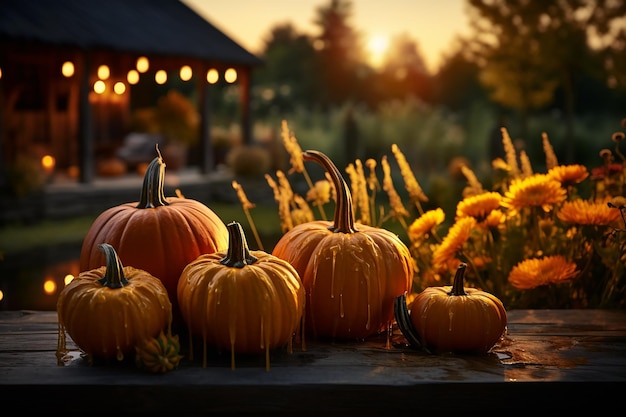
(33, 281)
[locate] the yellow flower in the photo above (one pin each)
(569, 174)
(293, 148)
(535, 272)
(302, 213)
(241, 194)
(538, 190)
(395, 202)
(585, 212)
(320, 193)
(494, 219)
(478, 206)
(454, 240)
(415, 191)
(500, 164)
(551, 159)
(425, 223)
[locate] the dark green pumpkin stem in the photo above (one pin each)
(152, 193)
(238, 254)
(457, 284)
(344, 212)
(114, 273)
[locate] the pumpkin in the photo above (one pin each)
(240, 300)
(351, 272)
(110, 310)
(157, 234)
(159, 354)
(454, 318)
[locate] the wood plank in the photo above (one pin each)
(566, 358)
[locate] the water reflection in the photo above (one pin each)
(34, 281)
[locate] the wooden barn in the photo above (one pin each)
(71, 70)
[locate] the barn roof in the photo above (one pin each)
(161, 27)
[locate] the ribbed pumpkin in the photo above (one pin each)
(241, 300)
(110, 310)
(157, 234)
(352, 273)
(457, 319)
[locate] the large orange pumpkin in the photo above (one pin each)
(352, 273)
(241, 300)
(157, 234)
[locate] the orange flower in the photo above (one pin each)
(532, 273)
(425, 223)
(454, 240)
(538, 190)
(478, 206)
(569, 174)
(585, 212)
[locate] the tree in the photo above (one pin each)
(288, 75)
(527, 49)
(404, 72)
(456, 81)
(340, 53)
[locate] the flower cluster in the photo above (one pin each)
(554, 239)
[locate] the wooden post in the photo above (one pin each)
(246, 118)
(207, 161)
(85, 125)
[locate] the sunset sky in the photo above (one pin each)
(433, 24)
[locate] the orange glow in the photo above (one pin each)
(119, 88)
(143, 64)
(185, 73)
(73, 171)
(0, 73)
(160, 77)
(68, 278)
(104, 72)
(212, 76)
(230, 76)
(377, 47)
(47, 163)
(1, 295)
(49, 286)
(99, 87)
(67, 69)
(132, 77)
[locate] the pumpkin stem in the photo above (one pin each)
(152, 194)
(344, 213)
(457, 284)
(114, 273)
(238, 254)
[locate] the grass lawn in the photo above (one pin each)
(21, 238)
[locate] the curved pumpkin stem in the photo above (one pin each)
(238, 254)
(457, 284)
(152, 194)
(344, 213)
(114, 273)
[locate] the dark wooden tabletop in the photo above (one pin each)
(549, 360)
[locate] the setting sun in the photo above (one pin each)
(377, 46)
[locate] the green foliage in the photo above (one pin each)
(25, 176)
(249, 161)
(174, 117)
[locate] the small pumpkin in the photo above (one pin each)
(159, 354)
(157, 234)
(241, 300)
(351, 272)
(453, 318)
(109, 310)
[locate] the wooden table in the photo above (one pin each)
(550, 360)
